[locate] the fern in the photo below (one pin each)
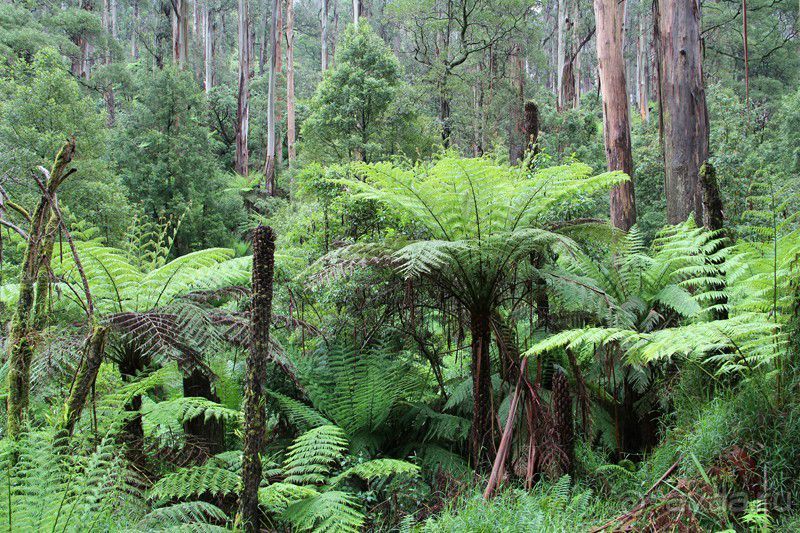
(331, 511)
(194, 481)
(309, 458)
(377, 469)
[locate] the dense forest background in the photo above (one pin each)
(400, 265)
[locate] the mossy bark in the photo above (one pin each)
(256, 373)
(21, 340)
(85, 378)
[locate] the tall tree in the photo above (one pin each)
(683, 120)
(290, 112)
(180, 32)
(616, 124)
(208, 47)
(517, 138)
(269, 163)
(324, 36)
(561, 30)
(243, 101)
(642, 71)
(256, 375)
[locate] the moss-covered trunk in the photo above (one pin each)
(85, 378)
(21, 341)
(254, 413)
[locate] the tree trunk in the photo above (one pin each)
(324, 37)
(21, 342)
(560, 50)
(180, 33)
(616, 126)
(269, 164)
(85, 378)
(531, 127)
(643, 72)
(517, 138)
(253, 407)
(207, 434)
(134, 31)
(243, 103)
(208, 47)
(682, 102)
(290, 113)
(482, 435)
(444, 113)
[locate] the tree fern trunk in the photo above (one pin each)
(207, 434)
(481, 439)
(254, 414)
(562, 418)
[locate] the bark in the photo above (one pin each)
(208, 47)
(243, 100)
(256, 374)
(21, 341)
(290, 112)
(505, 442)
(682, 102)
(517, 138)
(85, 378)
(135, 30)
(324, 36)
(561, 23)
(482, 434)
(643, 73)
(713, 220)
(444, 113)
(562, 419)
(616, 125)
(269, 163)
(180, 33)
(207, 434)
(531, 127)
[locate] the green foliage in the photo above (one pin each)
(194, 481)
(360, 110)
(557, 507)
(163, 151)
(45, 489)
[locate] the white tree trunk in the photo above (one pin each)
(269, 164)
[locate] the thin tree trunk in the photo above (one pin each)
(517, 139)
(682, 101)
(269, 164)
(560, 50)
(746, 58)
(356, 12)
(134, 31)
(85, 378)
(324, 37)
(208, 47)
(254, 413)
(616, 125)
(21, 342)
(643, 72)
(290, 112)
(243, 101)
(482, 435)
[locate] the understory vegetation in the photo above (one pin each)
(416, 295)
